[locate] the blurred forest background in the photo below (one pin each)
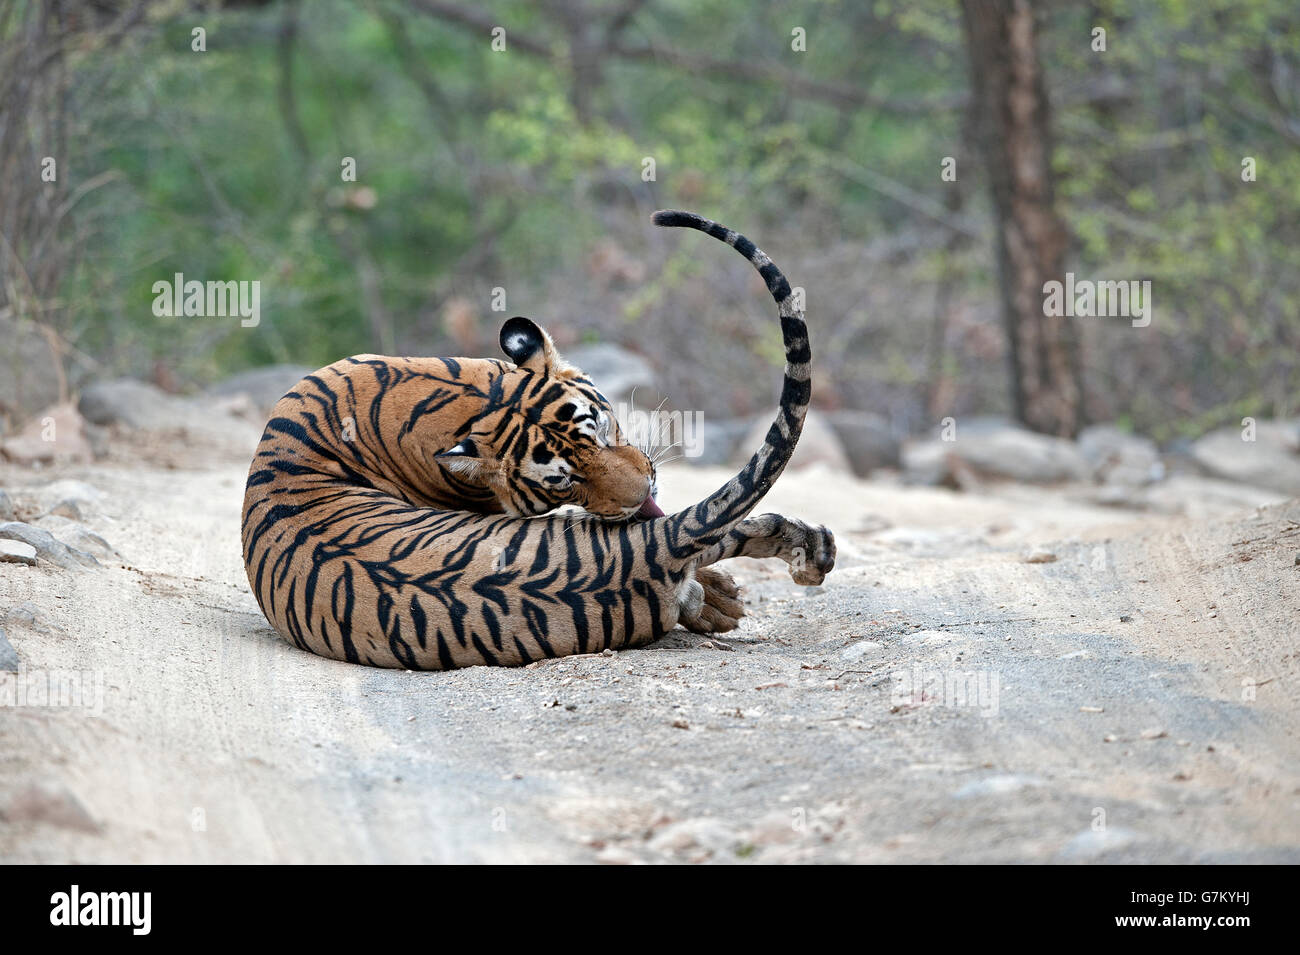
(523, 169)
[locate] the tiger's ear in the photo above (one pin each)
(462, 459)
(531, 348)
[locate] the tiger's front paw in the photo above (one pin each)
(812, 556)
(722, 608)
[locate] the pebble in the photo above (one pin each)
(1039, 555)
(1092, 842)
(997, 786)
(66, 508)
(7, 512)
(55, 805)
(8, 655)
(1154, 733)
(859, 650)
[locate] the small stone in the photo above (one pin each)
(613, 855)
(1092, 843)
(8, 655)
(54, 805)
(1092, 709)
(7, 512)
(1109, 738)
(66, 508)
(16, 552)
(1125, 618)
(998, 786)
(681, 725)
(1154, 733)
(860, 649)
(1039, 555)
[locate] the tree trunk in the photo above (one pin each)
(1012, 117)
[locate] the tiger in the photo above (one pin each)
(396, 512)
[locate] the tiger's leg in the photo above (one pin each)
(810, 551)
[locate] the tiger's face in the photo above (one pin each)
(550, 438)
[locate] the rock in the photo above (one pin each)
(16, 552)
(1092, 843)
(718, 440)
(264, 386)
(1039, 555)
(80, 493)
(78, 537)
(613, 855)
(134, 404)
(53, 804)
(29, 371)
(616, 372)
(66, 508)
(27, 616)
(867, 440)
(818, 444)
(859, 650)
(997, 786)
(696, 838)
(54, 434)
(47, 545)
(1271, 461)
(927, 463)
(7, 512)
(8, 655)
(226, 421)
(1007, 453)
(1119, 458)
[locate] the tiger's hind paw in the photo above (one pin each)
(721, 608)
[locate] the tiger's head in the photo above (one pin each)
(549, 438)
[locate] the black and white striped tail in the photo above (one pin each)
(709, 521)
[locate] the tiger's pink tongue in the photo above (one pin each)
(649, 508)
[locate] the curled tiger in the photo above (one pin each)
(398, 510)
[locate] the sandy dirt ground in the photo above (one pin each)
(940, 699)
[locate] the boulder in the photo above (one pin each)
(225, 421)
(818, 444)
(1119, 458)
(135, 404)
(1271, 461)
(867, 440)
(718, 440)
(616, 372)
(264, 386)
(29, 372)
(1003, 452)
(56, 434)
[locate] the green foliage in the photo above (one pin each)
(478, 169)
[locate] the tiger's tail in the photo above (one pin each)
(704, 524)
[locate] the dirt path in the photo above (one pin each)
(1134, 700)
